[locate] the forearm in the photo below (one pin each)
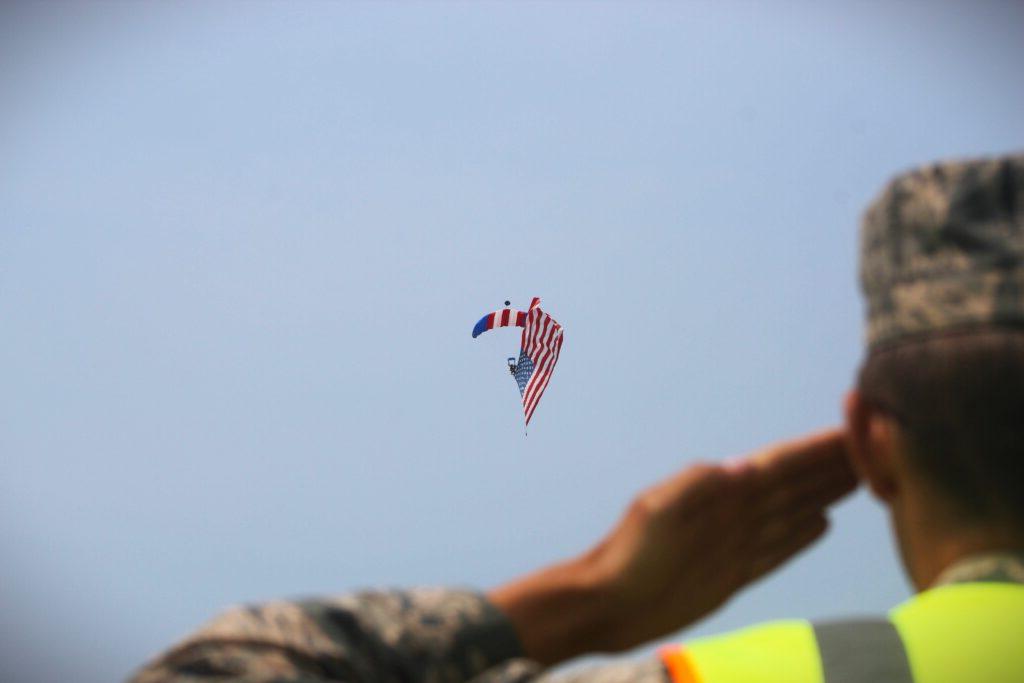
(559, 612)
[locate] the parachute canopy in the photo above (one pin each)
(503, 318)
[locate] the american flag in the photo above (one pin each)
(542, 341)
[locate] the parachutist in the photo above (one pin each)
(512, 366)
(508, 303)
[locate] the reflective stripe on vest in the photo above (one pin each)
(954, 633)
(862, 651)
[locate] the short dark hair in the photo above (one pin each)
(959, 399)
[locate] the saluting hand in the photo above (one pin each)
(683, 547)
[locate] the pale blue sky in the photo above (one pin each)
(242, 247)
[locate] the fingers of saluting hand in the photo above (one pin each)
(791, 478)
(774, 549)
(800, 476)
(821, 451)
(788, 488)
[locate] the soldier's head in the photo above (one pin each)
(936, 420)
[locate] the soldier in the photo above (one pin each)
(934, 428)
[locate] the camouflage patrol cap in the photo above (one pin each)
(942, 249)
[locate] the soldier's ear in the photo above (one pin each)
(871, 442)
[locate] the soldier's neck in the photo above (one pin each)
(932, 537)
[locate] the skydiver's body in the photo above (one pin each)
(933, 428)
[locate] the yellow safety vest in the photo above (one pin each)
(956, 633)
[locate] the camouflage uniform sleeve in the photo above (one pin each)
(419, 635)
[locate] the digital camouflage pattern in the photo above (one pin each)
(420, 635)
(942, 249)
(1000, 567)
(646, 670)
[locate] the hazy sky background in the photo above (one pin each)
(242, 247)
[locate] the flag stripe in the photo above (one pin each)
(540, 379)
(542, 352)
(542, 342)
(549, 370)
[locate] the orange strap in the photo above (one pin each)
(680, 667)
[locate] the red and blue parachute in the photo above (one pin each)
(538, 350)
